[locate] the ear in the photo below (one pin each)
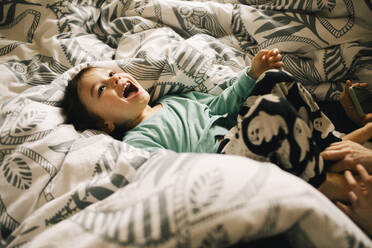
(109, 127)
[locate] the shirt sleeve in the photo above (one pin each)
(232, 98)
(143, 142)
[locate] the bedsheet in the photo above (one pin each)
(60, 187)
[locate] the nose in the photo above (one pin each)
(114, 81)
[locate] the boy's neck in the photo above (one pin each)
(147, 112)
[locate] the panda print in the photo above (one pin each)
(302, 135)
(264, 127)
(287, 129)
(323, 125)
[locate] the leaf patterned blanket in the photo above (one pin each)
(63, 188)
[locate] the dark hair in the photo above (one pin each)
(77, 114)
(74, 110)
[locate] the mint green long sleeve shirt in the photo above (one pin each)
(191, 122)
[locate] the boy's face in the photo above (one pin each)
(115, 97)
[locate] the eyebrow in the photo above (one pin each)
(92, 91)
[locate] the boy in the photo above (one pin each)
(102, 99)
(113, 101)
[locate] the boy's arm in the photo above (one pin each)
(232, 98)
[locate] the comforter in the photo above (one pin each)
(63, 188)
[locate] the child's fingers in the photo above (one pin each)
(273, 60)
(271, 53)
(262, 53)
(277, 65)
(275, 56)
(278, 57)
(268, 54)
(274, 52)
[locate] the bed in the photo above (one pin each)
(63, 188)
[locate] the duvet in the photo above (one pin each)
(63, 188)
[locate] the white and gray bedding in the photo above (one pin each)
(63, 188)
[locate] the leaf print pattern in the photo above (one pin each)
(287, 23)
(7, 223)
(329, 4)
(63, 147)
(29, 121)
(9, 48)
(196, 20)
(334, 64)
(336, 31)
(17, 173)
(205, 190)
(302, 69)
(38, 70)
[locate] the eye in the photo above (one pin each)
(111, 73)
(100, 89)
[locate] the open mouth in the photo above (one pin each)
(129, 90)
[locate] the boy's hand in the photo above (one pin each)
(265, 60)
